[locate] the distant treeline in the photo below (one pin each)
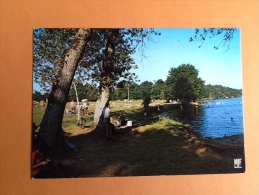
(182, 84)
(157, 90)
(219, 91)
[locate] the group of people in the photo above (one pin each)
(74, 109)
(42, 166)
(85, 108)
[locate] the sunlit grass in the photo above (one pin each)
(152, 146)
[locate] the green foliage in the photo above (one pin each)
(49, 48)
(86, 91)
(109, 71)
(185, 83)
(146, 101)
(158, 90)
(219, 91)
(135, 91)
(184, 90)
(96, 65)
(37, 96)
(119, 94)
(146, 88)
(183, 87)
(226, 35)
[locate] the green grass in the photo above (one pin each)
(153, 146)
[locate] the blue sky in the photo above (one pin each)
(173, 48)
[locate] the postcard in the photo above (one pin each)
(121, 102)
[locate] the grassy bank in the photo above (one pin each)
(152, 146)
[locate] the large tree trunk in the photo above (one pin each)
(51, 125)
(99, 107)
(107, 71)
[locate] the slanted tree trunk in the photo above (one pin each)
(51, 124)
(99, 107)
(107, 71)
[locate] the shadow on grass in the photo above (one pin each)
(150, 147)
(146, 151)
(137, 116)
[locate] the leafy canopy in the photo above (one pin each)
(95, 65)
(186, 85)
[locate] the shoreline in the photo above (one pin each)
(231, 142)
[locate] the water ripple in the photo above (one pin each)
(215, 119)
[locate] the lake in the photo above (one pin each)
(214, 119)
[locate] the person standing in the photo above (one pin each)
(85, 108)
(73, 107)
(107, 120)
(42, 105)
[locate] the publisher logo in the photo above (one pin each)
(238, 163)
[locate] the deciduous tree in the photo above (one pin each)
(146, 87)
(158, 90)
(185, 82)
(104, 59)
(51, 126)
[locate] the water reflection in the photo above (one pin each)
(216, 118)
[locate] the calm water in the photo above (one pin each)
(214, 118)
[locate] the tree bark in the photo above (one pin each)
(107, 69)
(99, 107)
(51, 124)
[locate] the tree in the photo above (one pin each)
(51, 124)
(49, 49)
(105, 59)
(85, 91)
(184, 90)
(226, 34)
(158, 90)
(135, 91)
(146, 87)
(185, 83)
(91, 92)
(219, 91)
(81, 91)
(37, 96)
(111, 61)
(106, 75)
